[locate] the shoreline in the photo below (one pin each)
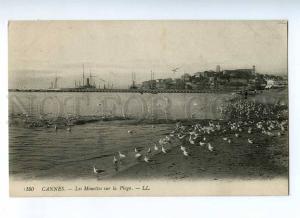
(238, 160)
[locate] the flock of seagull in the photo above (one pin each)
(202, 136)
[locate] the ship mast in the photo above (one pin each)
(55, 81)
(82, 74)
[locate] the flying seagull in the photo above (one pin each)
(175, 69)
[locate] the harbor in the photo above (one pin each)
(146, 102)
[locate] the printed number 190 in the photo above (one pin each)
(29, 189)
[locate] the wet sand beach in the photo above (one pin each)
(266, 158)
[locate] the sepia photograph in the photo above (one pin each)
(148, 108)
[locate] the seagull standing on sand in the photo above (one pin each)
(182, 148)
(250, 130)
(163, 149)
(168, 139)
(149, 150)
(146, 159)
(137, 154)
(210, 147)
(155, 147)
(115, 160)
(161, 141)
(121, 155)
(250, 141)
(201, 143)
(185, 153)
(98, 171)
(180, 136)
(191, 140)
(130, 131)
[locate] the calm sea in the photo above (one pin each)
(45, 153)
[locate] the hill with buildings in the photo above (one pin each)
(234, 79)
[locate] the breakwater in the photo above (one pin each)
(126, 104)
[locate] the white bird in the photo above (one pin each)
(236, 135)
(130, 131)
(249, 130)
(69, 129)
(121, 155)
(180, 136)
(155, 147)
(182, 148)
(185, 153)
(162, 141)
(210, 147)
(204, 139)
(115, 160)
(98, 171)
(163, 149)
(225, 139)
(137, 155)
(149, 150)
(136, 150)
(191, 140)
(279, 134)
(146, 159)
(201, 143)
(250, 141)
(229, 141)
(175, 69)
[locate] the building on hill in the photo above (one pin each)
(239, 77)
(179, 84)
(209, 73)
(186, 77)
(150, 84)
(239, 73)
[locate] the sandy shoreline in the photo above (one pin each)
(266, 158)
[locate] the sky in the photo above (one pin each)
(112, 50)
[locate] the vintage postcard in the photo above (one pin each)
(148, 108)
